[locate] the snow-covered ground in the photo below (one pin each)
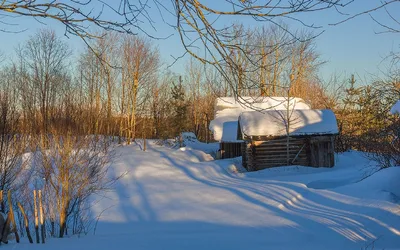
(182, 199)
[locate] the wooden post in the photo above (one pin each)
(36, 217)
(11, 211)
(42, 229)
(28, 232)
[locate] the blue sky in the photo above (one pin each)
(351, 47)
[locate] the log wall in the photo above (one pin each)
(314, 151)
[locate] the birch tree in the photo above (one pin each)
(140, 61)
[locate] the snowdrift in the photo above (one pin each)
(169, 199)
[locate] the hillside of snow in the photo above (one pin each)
(180, 198)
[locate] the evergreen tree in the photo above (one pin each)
(349, 116)
(179, 104)
(352, 95)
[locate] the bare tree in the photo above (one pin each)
(201, 97)
(11, 143)
(90, 79)
(160, 109)
(107, 48)
(98, 82)
(44, 59)
(140, 62)
(194, 82)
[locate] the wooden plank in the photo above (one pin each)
(279, 139)
(258, 161)
(291, 147)
(279, 145)
(282, 163)
(278, 154)
(274, 139)
(291, 156)
(277, 151)
(277, 164)
(266, 150)
(283, 143)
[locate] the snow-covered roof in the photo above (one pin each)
(396, 108)
(301, 122)
(225, 124)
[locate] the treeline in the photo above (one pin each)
(119, 86)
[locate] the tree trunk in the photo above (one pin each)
(42, 228)
(121, 123)
(63, 217)
(65, 199)
(36, 217)
(109, 96)
(263, 85)
(26, 222)
(63, 223)
(275, 80)
(144, 142)
(12, 217)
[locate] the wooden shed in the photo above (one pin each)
(281, 138)
(227, 110)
